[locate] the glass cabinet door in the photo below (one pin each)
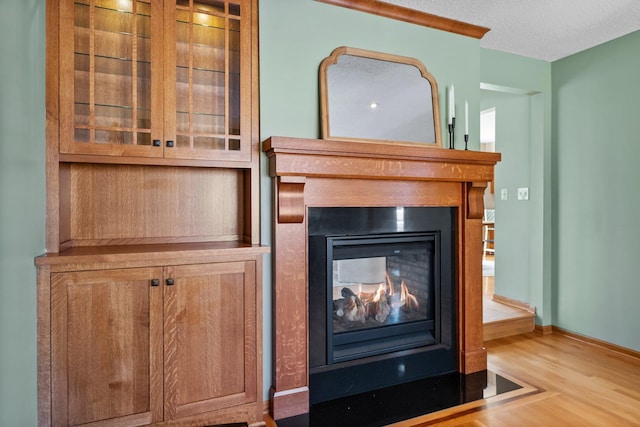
(208, 85)
(109, 84)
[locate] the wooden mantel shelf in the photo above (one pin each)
(363, 159)
(324, 173)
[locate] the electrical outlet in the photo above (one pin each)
(523, 193)
(504, 194)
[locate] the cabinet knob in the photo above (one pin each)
(157, 143)
(169, 282)
(169, 143)
(155, 282)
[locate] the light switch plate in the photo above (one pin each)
(504, 194)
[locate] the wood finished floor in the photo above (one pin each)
(566, 382)
(569, 383)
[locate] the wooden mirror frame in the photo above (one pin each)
(324, 94)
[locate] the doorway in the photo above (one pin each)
(520, 236)
(488, 144)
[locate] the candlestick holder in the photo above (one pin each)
(466, 140)
(452, 133)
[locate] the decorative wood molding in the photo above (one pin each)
(593, 341)
(475, 202)
(290, 199)
(513, 303)
(473, 361)
(544, 329)
(325, 173)
(379, 161)
(289, 402)
(412, 16)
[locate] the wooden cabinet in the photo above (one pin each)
(147, 78)
(106, 348)
(210, 337)
(150, 344)
(149, 295)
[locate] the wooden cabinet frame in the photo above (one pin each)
(114, 209)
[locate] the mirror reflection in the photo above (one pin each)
(374, 96)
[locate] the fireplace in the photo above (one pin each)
(381, 297)
(310, 174)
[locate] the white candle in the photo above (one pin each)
(449, 106)
(453, 103)
(466, 118)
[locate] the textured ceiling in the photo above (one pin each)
(540, 29)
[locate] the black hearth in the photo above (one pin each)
(381, 297)
(404, 401)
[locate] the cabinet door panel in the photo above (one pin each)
(111, 77)
(210, 337)
(208, 75)
(107, 347)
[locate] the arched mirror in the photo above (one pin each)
(372, 96)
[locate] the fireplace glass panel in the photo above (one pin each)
(374, 291)
(382, 294)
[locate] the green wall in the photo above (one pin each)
(22, 202)
(597, 149)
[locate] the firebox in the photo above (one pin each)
(381, 297)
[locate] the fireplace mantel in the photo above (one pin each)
(325, 173)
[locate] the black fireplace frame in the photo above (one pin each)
(329, 379)
(357, 344)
